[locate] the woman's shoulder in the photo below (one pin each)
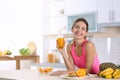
(89, 44)
(90, 48)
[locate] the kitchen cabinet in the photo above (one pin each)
(59, 10)
(80, 6)
(54, 16)
(108, 11)
(116, 8)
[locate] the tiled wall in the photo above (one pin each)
(108, 49)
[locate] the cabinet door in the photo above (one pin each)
(80, 6)
(116, 10)
(104, 11)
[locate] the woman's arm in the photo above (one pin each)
(90, 54)
(68, 58)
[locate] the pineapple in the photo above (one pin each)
(118, 66)
(106, 65)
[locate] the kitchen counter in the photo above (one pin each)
(35, 75)
(54, 65)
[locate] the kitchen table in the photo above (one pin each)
(18, 58)
(35, 75)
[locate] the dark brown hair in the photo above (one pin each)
(83, 20)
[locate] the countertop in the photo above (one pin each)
(56, 66)
(35, 75)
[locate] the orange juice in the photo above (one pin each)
(50, 57)
(60, 42)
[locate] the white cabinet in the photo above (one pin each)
(116, 8)
(80, 6)
(104, 9)
(59, 10)
(56, 15)
(108, 11)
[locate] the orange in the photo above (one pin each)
(48, 69)
(41, 70)
(81, 72)
(45, 70)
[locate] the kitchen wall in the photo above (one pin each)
(21, 21)
(108, 49)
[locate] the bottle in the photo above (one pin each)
(54, 56)
(50, 57)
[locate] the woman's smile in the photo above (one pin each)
(78, 33)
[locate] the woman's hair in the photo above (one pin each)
(83, 20)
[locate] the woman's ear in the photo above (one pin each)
(71, 30)
(86, 33)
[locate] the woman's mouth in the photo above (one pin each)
(78, 34)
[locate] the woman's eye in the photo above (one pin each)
(76, 26)
(83, 29)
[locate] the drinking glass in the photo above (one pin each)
(60, 42)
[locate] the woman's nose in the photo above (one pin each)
(79, 29)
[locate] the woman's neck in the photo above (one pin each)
(79, 42)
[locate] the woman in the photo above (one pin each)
(80, 52)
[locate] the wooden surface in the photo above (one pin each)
(34, 58)
(6, 58)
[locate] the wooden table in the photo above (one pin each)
(6, 58)
(35, 58)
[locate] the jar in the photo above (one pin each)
(54, 56)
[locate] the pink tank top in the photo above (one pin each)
(80, 61)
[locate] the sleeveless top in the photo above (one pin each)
(80, 61)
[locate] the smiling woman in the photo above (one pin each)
(79, 52)
(90, 17)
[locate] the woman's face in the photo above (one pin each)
(79, 30)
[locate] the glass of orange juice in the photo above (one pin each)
(60, 42)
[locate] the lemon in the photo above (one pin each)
(0, 53)
(4, 52)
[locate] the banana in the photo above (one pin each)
(116, 72)
(108, 76)
(108, 72)
(116, 76)
(104, 71)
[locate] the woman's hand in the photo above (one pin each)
(61, 50)
(58, 73)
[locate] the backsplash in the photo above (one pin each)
(108, 49)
